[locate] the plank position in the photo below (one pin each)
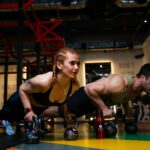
(105, 92)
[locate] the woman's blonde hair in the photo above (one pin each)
(60, 56)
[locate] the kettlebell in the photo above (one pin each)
(71, 133)
(131, 127)
(31, 133)
(110, 129)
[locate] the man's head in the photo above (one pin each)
(144, 77)
(144, 70)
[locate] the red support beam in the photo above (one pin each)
(9, 6)
(27, 4)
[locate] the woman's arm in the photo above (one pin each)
(33, 85)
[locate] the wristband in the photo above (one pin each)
(28, 110)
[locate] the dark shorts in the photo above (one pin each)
(79, 104)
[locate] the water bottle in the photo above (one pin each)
(100, 132)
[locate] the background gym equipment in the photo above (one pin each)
(71, 132)
(131, 127)
(129, 120)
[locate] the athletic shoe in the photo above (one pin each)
(8, 128)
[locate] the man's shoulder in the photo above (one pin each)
(129, 77)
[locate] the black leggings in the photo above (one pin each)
(79, 104)
(13, 109)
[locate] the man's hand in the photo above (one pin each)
(107, 112)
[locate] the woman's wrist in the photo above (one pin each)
(27, 110)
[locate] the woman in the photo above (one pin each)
(44, 90)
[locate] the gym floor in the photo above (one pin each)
(87, 141)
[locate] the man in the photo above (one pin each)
(114, 89)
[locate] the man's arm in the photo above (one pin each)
(94, 93)
(113, 84)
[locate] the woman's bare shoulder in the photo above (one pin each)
(45, 78)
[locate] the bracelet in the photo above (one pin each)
(28, 110)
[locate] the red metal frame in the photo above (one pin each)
(15, 5)
(9, 6)
(43, 30)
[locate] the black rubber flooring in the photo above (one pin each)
(10, 141)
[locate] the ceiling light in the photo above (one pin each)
(128, 1)
(145, 21)
(101, 66)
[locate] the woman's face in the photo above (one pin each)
(71, 64)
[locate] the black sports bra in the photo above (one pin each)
(43, 98)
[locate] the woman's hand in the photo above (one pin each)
(29, 116)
